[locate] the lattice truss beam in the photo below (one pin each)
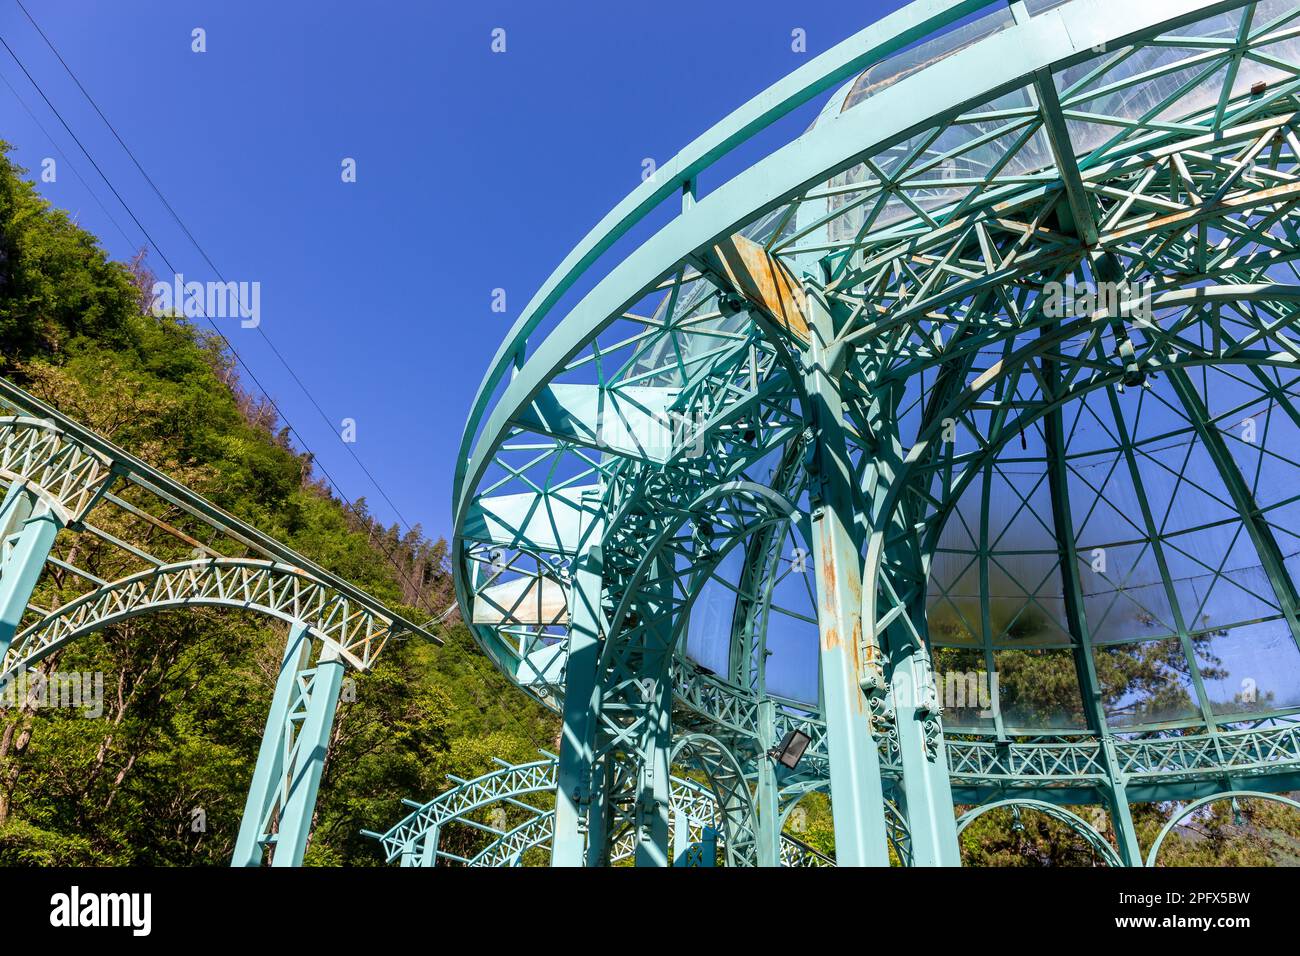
(153, 544)
(91, 536)
(507, 810)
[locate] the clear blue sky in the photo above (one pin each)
(474, 171)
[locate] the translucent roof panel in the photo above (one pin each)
(708, 632)
(1186, 618)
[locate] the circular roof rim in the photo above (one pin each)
(873, 44)
(1055, 37)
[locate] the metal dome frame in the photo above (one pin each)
(838, 343)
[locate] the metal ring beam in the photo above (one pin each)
(1051, 40)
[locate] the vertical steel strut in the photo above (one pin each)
(857, 800)
(27, 531)
(282, 797)
(574, 789)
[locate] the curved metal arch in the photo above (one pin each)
(621, 639)
(1099, 844)
(695, 804)
(752, 609)
(506, 785)
(467, 796)
(267, 587)
(1195, 805)
(691, 490)
(774, 508)
(730, 791)
(686, 797)
(71, 468)
(509, 848)
(841, 62)
(795, 793)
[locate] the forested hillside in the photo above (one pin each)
(186, 693)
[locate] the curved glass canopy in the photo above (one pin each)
(1184, 624)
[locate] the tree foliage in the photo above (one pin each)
(186, 693)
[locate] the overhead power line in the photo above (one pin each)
(294, 432)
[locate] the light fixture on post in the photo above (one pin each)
(790, 750)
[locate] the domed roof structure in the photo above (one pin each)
(958, 434)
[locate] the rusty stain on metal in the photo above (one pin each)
(859, 700)
(828, 563)
(763, 280)
(830, 638)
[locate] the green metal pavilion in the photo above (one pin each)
(958, 433)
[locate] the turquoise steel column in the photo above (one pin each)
(681, 839)
(268, 772)
(573, 774)
(598, 814)
(1114, 790)
(1121, 816)
(927, 792)
(292, 758)
(769, 817)
(31, 527)
(709, 847)
(857, 803)
(654, 794)
(429, 847)
(311, 746)
(655, 736)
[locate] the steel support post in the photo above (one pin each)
(598, 811)
(767, 795)
(857, 801)
(573, 776)
(1076, 616)
(1130, 850)
(429, 847)
(654, 792)
(927, 792)
(701, 853)
(709, 847)
(292, 756)
(29, 529)
(681, 839)
(422, 851)
(655, 736)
